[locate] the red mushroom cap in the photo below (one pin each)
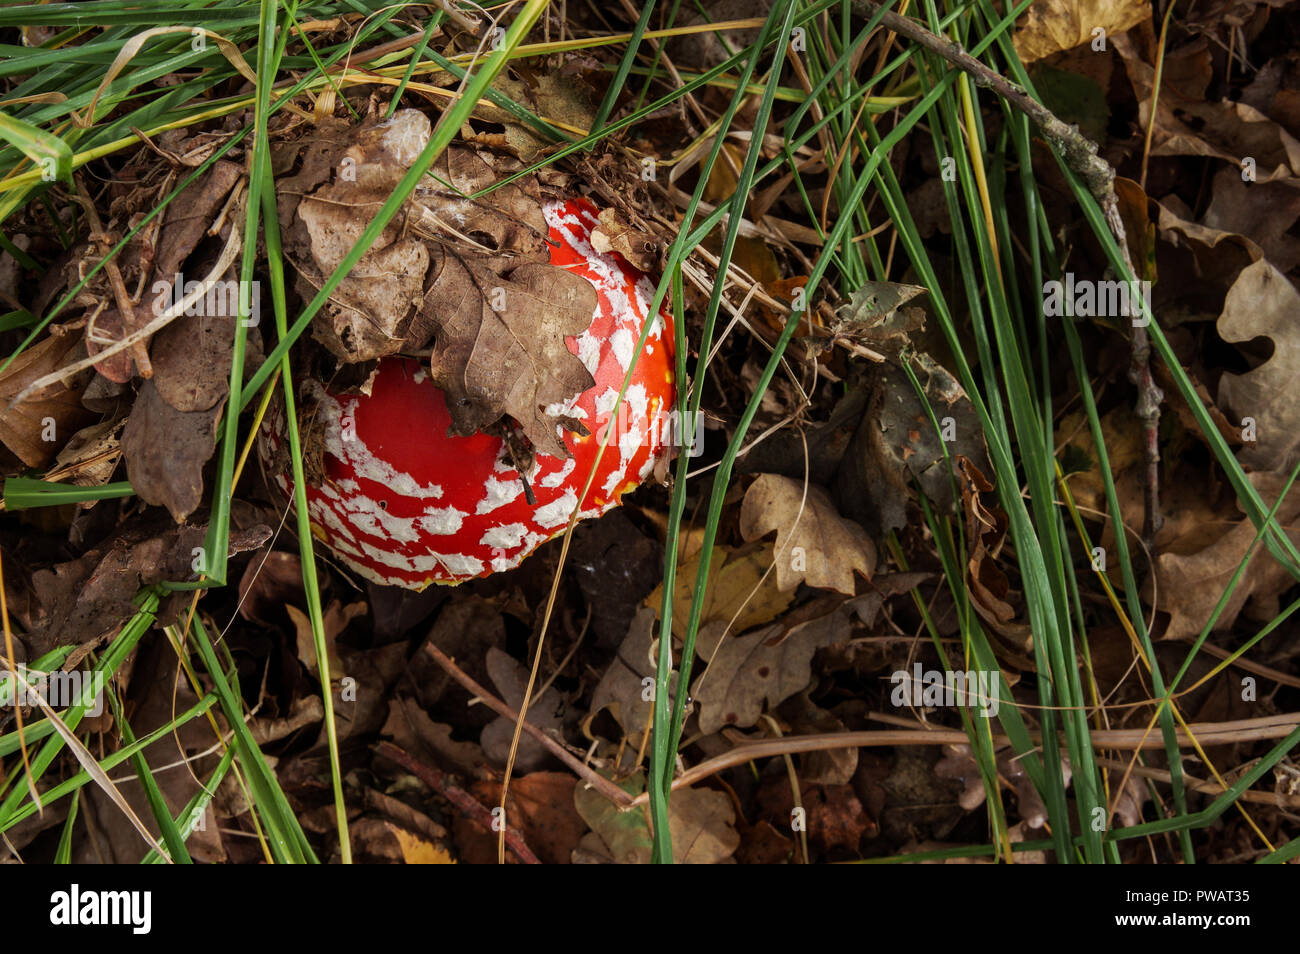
(401, 502)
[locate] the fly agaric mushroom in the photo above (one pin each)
(402, 501)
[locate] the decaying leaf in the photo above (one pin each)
(616, 234)
(84, 598)
(879, 317)
(540, 805)
(370, 311)
(897, 441)
(814, 544)
(90, 457)
(471, 275)
(765, 666)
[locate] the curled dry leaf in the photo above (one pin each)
(616, 234)
(90, 457)
(1051, 26)
(876, 317)
(1262, 302)
(499, 309)
(814, 544)
(36, 428)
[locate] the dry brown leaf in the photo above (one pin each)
(90, 457)
(736, 577)
(1264, 210)
(540, 806)
(166, 449)
(1191, 583)
(616, 234)
(511, 678)
(336, 618)
(191, 361)
(1051, 26)
(552, 95)
(622, 688)
(414, 732)
(701, 822)
(814, 544)
(85, 597)
(768, 666)
(303, 711)
(1193, 126)
(371, 308)
(512, 361)
(190, 214)
(500, 312)
(35, 429)
(1262, 302)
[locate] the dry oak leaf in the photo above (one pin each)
(498, 309)
(739, 586)
(768, 666)
(814, 544)
(1051, 26)
(514, 360)
(1198, 579)
(1262, 302)
(702, 823)
(370, 310)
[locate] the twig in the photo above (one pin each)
(598, 782)
(1207, 733)
(469, 806)
(1080, 154)
(125, 306)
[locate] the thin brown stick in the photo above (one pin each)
(585, 772)
(1275, 799)
(125, 306)
(1080, 154)
(468, 805)
(1207, 733)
